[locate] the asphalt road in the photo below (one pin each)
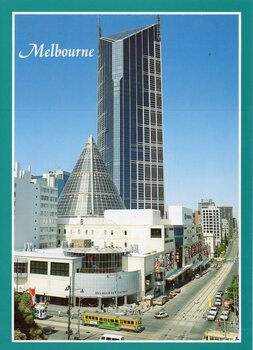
(187, 311)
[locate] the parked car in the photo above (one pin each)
(214, 309)
(211, 315)
(218, 295)
(224, 315)
(161, 314)
(197, 276)
(177, 290)
(218, 302)
(173, 293)
(216, 306)
(170, 296)
(161, 300)
(220, 292)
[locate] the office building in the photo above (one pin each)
(205, 203)
(211, 226)
(130, 123)
(227, 213)
(59, 178)
(35, 211)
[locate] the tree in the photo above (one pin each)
(233, 289)
(25, 328)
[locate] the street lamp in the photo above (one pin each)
(79, 316)
(68, 288)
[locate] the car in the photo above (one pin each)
(170, 296)
(197, 276)
(220, 292)
(214, 309)
(224, 315)
(177, 290)
(218, 295)
(218, 302)
(173, 292)
(211, 316)
(216, 306)
(161, 314)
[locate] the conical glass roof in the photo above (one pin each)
(89, 190)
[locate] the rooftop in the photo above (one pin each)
(124, 35)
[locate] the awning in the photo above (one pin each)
(204, 262)
(177, 273)
(195, 266)
(186, 267)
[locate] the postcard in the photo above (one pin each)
(125, 187)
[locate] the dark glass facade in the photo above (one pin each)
(99, 262)
(130, 130)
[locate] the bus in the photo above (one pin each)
(40, 311)
(219, 335)
(110, 321)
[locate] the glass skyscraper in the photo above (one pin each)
(130, 130)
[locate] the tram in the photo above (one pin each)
(110, 321)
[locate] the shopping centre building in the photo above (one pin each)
(106, 252)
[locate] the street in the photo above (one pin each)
(187, 311)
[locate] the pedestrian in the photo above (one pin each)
(59, 313)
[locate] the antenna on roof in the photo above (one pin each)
(99, 27)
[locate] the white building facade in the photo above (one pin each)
(35, 211)
(26, 209)
(191, 252)
(211, 227)
(125, 254)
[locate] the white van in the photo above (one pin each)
(111, 337)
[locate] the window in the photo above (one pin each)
(156, 233)
(20, 267)
(59, 269)
(38, 267)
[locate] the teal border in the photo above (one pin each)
(6, 9)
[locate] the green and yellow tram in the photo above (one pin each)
(110, 321)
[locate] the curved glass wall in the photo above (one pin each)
(98, 262)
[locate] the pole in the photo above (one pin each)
(69, 305)
(116, 299)
(78, 320)
(17, 274)
(225, 330)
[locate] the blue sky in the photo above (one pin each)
(56, 99)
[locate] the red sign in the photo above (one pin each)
(32, 295)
